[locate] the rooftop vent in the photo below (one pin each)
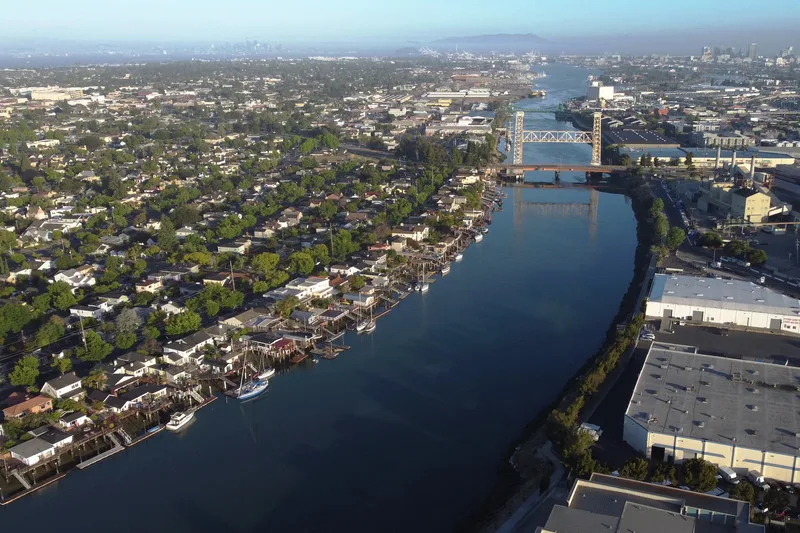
(753, 408)
(702, 400)
(700, 424)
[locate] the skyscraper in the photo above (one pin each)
(752, 52)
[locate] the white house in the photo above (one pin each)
(311, 287)
(32, 451)
(416, 233)
(66, 386)
(74, 420)
(186, 347)
(77, 277)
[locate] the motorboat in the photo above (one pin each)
(423, 287)
(361, 325)
(446, 269)
(459, 257)
(266, 373)
(371, 325)
(180, 420)
(478, 237)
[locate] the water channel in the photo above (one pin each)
(405, 431)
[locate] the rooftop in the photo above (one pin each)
(707, 397)
(732, 294)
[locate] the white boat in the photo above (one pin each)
(266, 373)
(361, 325)
(459, 257)
(180, 420)
(418, 287)
(423, 287)
(485, 231)
(478, 237)
(446, 269)
(251, 389)
(371, 325)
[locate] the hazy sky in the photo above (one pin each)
(379, 20)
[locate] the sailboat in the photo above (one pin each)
(252, 388)
(361, 325)
(371, 325)
(423, 286)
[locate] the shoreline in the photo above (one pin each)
(511, 488)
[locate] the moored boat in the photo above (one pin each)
(459, 257)
(478, 237)
(266, 373)
(371, 325)
(423, 287)
(251, 389)
(446, 269)
(180, 420)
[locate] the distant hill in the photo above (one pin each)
(504, 41)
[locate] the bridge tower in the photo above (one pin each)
(519, 127)
(596, 140)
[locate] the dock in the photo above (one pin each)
(105, 455)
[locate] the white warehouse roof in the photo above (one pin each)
(749, 403)
(720, 293)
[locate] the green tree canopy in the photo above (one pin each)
(25, 372)
(96, 348)
(61, 295)
(301, 263)
(286, 306)
(675, 237)
(186, 322)
(635, 468)
(699, 475)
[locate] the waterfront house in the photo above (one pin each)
(416, 233)
(116, 382)
(66, 386)
(74, 420)
(256, 319)
(187, 346)
(311, 287)
(137, 397)
(270, 345)
(33, 406)
(32, 451)
(52, 435)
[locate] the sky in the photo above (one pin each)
(399, 21)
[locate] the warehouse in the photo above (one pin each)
(722, 302)
(737, 413)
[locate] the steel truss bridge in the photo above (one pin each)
(519, 136)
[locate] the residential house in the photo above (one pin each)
(311, 287)
(87, 311)
(33, 451)
(239, 246)
(257, 319)
(137, 397)
(186, 347)
(74, 420)
(33, 406)
(343, 270)
(82, 276)
(66, 386)
(416, 233)
(153, 286)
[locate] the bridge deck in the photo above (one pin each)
(559, 167)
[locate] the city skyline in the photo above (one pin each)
(574, 23)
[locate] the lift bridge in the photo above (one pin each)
(519, 136)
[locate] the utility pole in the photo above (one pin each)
(233, 280)
(83, 334)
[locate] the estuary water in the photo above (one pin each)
(405, 431)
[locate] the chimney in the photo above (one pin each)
(752, 167)
(719, 152)
(733, 160)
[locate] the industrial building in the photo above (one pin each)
(747, 204)
(595, 90)
(638, 139)
(613, 504)
(722, 302)
(737, 413)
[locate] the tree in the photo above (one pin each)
(757, 256)
(320, 254)
(286, 306)
(744, 491)
(635, 468)
(327, 209)
(301, 263)
(96, 348)
(699, 475)
(265, 263)
(776, 500)
(711, 240)
(151, 332)
(128, 322)
(689, 160)
(62, 364)
(357, 282)
(167, 240)
(186, 322)
(125, 340)
(25, 372)
(50, 332)
(675, 237)
(91, 142)
(14, 317)
(61, 295)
